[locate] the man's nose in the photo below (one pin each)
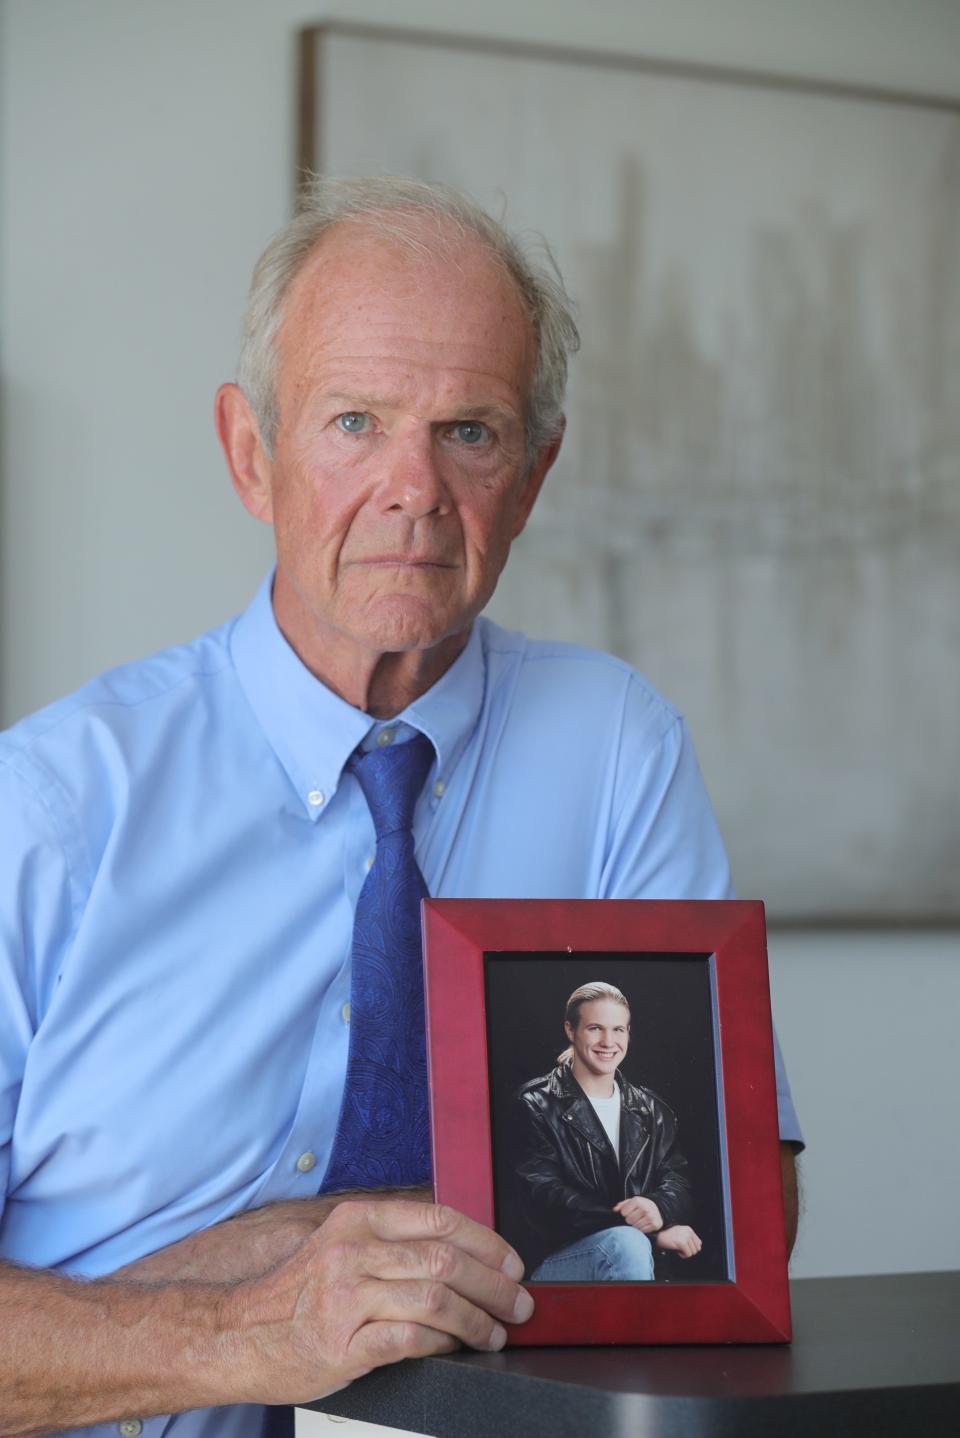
(412, 480)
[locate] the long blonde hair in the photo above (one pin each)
(585, 995)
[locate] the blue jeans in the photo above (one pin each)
(614, 1255)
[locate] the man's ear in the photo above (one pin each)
(239, 435)
(542, 462)
(568, 1030)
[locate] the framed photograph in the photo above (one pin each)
(603, 1095)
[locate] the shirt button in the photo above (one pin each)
(368, 863)
(305, 1163)
(130, 1427)
(315, 797)
(438, 788)
(385, 737)
(345, 1013)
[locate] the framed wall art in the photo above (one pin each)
(757, 502)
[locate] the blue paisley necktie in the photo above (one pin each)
(383, 1135)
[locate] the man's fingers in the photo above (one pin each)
(383, 1342)
(404, 1220)
(640, 1220)
(441, 1261)
(432, 1305)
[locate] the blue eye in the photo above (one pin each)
(471, 431)
(353, 422)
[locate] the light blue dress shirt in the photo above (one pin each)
(181, 856)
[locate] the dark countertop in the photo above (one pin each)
(875, 1356)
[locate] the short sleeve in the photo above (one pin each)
(664, 841)
(35, 926)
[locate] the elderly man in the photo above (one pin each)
(203, 1032)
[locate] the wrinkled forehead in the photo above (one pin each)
(405, 259)
(430, 276)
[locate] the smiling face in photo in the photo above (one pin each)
(600, 1039)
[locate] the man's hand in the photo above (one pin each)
(379, 1281)
(640, 1213)
(679, 1239)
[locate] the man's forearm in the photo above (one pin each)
(76, 1353)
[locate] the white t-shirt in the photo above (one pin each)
(608, 1112)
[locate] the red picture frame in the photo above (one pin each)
(461, 938)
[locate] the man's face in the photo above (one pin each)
(601, 1037)
(399, 476)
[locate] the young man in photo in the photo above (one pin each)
(600, 1182)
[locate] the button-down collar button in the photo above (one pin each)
(130, 1427)
(345, 1013)
(307, 1161)
(438, 788)
(385, 737)
(315, 797)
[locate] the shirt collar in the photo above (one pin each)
(449, 712)
(313, 731)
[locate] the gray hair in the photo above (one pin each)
(391, 206)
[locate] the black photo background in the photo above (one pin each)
(671, 1051)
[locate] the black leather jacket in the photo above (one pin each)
(566, 1178)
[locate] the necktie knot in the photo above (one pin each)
(391, 780)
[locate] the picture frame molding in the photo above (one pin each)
(308, 159)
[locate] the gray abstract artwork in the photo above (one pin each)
(758, 499)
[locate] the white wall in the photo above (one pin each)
(146, 158)
(868, 1024)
